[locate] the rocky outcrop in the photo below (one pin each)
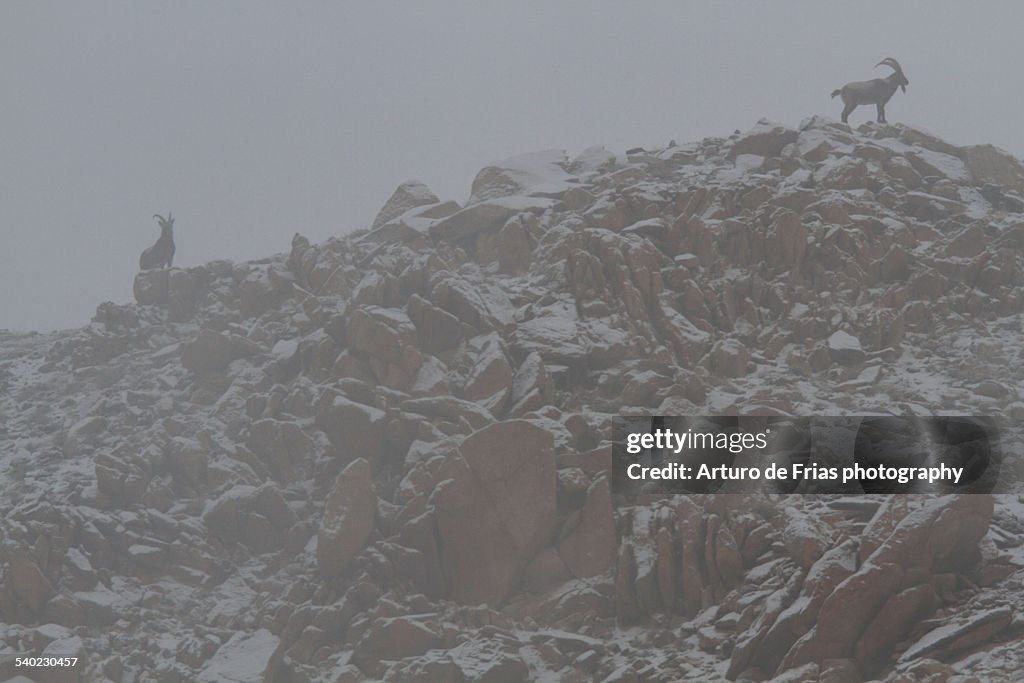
(388, 455)
(348, 518)
(494, 508)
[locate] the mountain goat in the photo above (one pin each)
(161, 254)
(877, 91)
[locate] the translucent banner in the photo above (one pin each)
(843, 455)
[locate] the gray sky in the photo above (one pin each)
(255, 120)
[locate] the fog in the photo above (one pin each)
(253, 121)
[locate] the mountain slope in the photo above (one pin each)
(386, 455)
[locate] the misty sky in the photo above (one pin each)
(255, 120)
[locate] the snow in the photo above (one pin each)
(593, 160)
(285, 349)
(944, 635)
(537, 174)
(243, 658)
(841, 340)
(947, 165)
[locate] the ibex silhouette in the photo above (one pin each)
(161, 254)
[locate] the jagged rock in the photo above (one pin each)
(408, 195)
(722, 556)
(150, 287)
(956, 637)
(27, 582)
(450, 409)
(588, 548)
(844, 670)
(787, 241)
(388, 336)
(244, 657)
(845, 349)
(895, 619)
(749, 642)
(729, 358)
(474, 306)
(183, 292)
(122, 481)
(802, 674)
(356, 430)
(943, 528)
(844, 614)
(213, 351)
(545, 570)
(491, 660)
(513, 246)
(532, 387)
(490, 380)
(259, 517)
(540, 174)
(833, 567)
(281, 445)
(348, 518)
(806, 539)
(495, 509)
(485, 216)
(436, 328)
(393, 638)
(989, 164)
(968, 243)
(82, 434)
(766, 139)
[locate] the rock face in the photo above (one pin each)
(388, 456)
(497, 510)
(348, 518)
(408, 195)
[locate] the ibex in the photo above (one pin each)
(161, 254)
(877, 91)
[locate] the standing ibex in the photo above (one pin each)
(877, 91)
(161, 254)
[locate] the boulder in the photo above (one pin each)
(988, 164)
(728, 358)
(348, 518)
(408, 195)
(436, 329)
(495, 508)
(845, 349)
(244, 657)
(806, 538)
(150, 287)
(383, 333)
(532, 387)
(960, 635)
(588, 548)
(485, 216)
(538, 174)
(356, 430)
(26, 581)
(766, 139)
(490, 380)
(787, 241)
(393, 638)
(213, 351)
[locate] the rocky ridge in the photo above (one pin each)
(385, 456)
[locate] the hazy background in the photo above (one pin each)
(255, 120)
